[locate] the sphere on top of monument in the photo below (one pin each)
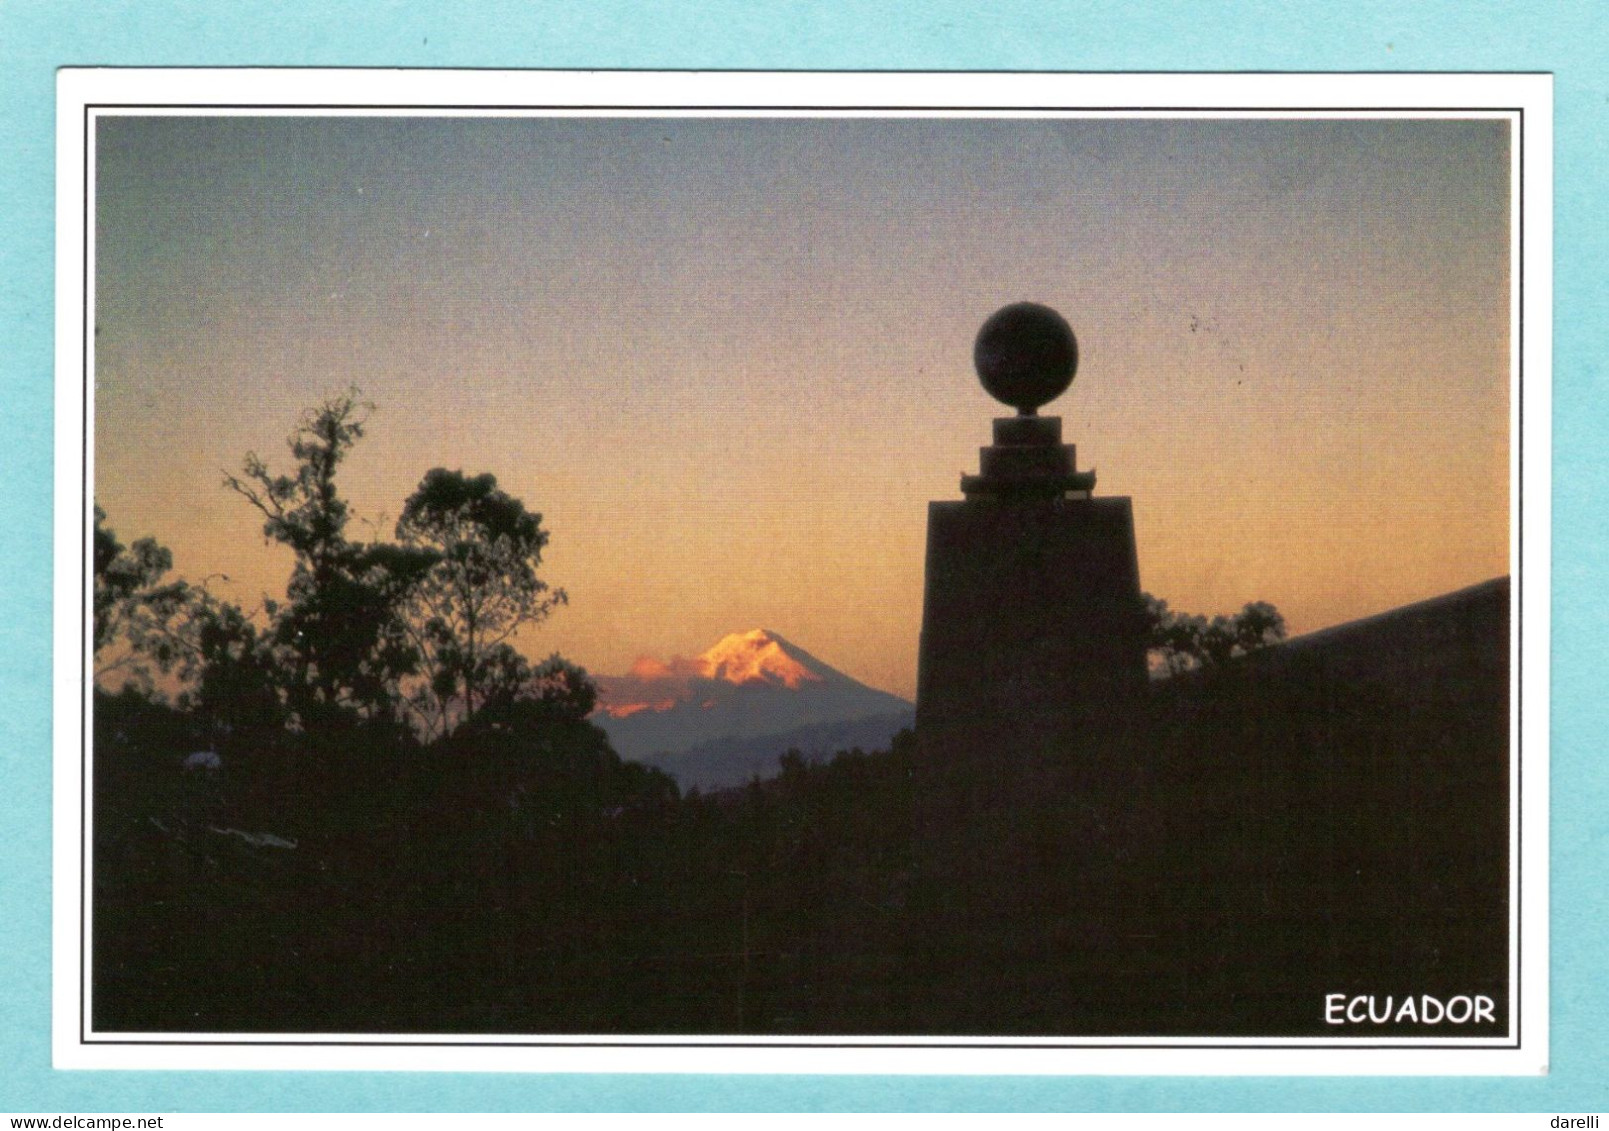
(1025, 356)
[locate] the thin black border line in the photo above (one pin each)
(85, 677)
(1516, 613)
(826, 1044)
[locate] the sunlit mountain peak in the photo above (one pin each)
(723, 717)
(757, 656)
(725, 678)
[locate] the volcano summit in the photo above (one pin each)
(725, 716)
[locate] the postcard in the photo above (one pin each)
(733, 572)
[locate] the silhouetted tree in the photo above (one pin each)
(792, 763)
(554, 690)
(222, 675)
(132, 604)
(482, 587)
(530, 756)
(1181, 641)
(1258, 625)
(340, 632)
(1173, 639)
(234, 683)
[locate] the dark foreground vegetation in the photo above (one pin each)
(1326, 817)
(415, 909)
(360, 810)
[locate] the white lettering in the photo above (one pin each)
(1422, 1009)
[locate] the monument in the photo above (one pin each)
(1032, 615)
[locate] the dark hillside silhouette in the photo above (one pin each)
(1328, 815)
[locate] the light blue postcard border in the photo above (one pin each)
(37, 36)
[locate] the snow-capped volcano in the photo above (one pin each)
(754, 658)
(757, 656)
(745, 687)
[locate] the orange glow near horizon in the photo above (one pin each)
(729, 362)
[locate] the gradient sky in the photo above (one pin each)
(729, 360)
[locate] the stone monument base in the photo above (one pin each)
(1032, 607)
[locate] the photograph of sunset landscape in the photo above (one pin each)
(511, 535)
